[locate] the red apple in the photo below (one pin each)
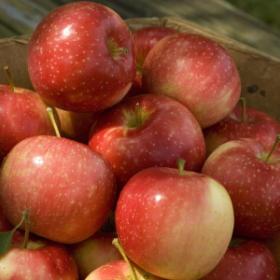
(253, 182)
(74, 125)
(38, 261)
(175, 225)
(145, 131)
(144, 40)
(22, 115)
(197, 72)
(274, 246)
(250, 260)
(250, 123)
(93, 253)
(118, 270)
(81, 57)
(67, 188)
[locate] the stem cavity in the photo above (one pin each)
(115, 50)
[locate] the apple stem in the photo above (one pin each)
(26, 229)
(181, 166)
(274, 146)
(9, 77)
(244, 109)
(53, 121)
(117, 244)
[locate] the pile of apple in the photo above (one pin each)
(133, 159)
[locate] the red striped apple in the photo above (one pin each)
(195, 71)
(250, 123)
(22, 115)
(175, 225)
(251, 174)
(145, 131)
(249, 260)
(81, 57)
(67, 189)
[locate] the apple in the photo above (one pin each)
(81, 57)
(37, 261)
(145, 131)
(242, 123)
(144, 40)
(74, 125)
(93, 253)
(274, 245)
(249, 260)
(174, 224)
(251, 174)
(22, 115)
(67, 188)
(119, 270)
(195, 71)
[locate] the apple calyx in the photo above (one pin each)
(6, 237)
(135, 118)
(53, 121)
(274, 146)
(115, 50)
(132, 269)
(181, 166)
(9, 78)
(244, 109)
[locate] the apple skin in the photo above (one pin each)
(250, 260)
(44, 262)
(22, 114)
(253, 184)
(258, 125)
(74, 125)
(195, 71)
(274, 245)
(169, 133)
(81, 57)
(118, 270)
(68, 189)
(144, 40)
(174, 226)
(93, 253)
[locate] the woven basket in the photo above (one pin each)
(259, 71)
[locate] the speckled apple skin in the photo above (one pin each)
(253, 184)
(258, 125)
(118, 270)
(22, 115)
(197, 72)
(174, 226)
(70, 63)
(46, 263)
(250, 260)
(67, 188)
(170, 132)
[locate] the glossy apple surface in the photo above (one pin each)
(253, 184)
(93, 253)
(38, 261)
(22, 115)
(250, 260)
(175, 226)
(146, 131)
(67, 188)
(81, 57)
(195, 71)
(256, 124)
